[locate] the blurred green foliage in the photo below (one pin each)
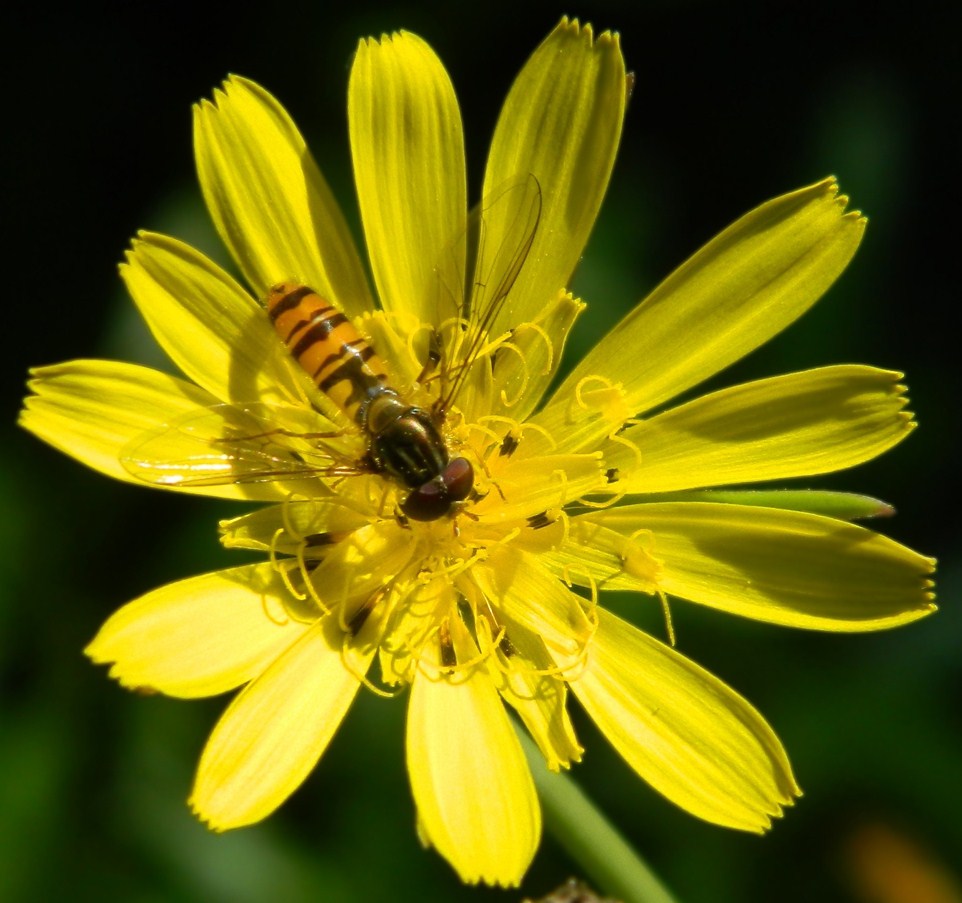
(734, 103)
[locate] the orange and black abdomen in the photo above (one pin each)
(326, 344)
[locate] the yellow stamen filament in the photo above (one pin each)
(605, 503)
(615, 437)
(580, 388)
(274, 618)
(666, 611)
(563, 477)
(510, 403)
(549, 345)
(309, 584)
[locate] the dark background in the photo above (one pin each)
(734, 103)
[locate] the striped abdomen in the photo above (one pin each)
(326, 344)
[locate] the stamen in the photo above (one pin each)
(494, 632)
(610, 500)
(669, 626)
(510, 346)
(434, 340)
(284, 573)
(615, 437)
(648, 545)
(286, 516)
(272, 548)
(564, 484)
(349, 662)
(549, 345)
(305, 572)
(579, 389)
(459, 328)
(448, 568)
(457, 667)
(369, 684)
(516, 426)
(510, 536)
(284, 569)
(553, 671)
(279, 621)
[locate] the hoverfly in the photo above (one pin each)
(238, 443)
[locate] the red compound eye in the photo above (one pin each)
(458, 478)
(434, 498)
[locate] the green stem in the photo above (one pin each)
(590, 839)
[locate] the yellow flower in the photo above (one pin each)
(598, 486)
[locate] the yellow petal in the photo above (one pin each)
(684, 731)
(210, 327)
(561, 122)
(527, 487)
(527, 596)
(840, 505)
(274, 732)
(595, 556)
(408, 152)
(362, 563)
(525, 365)
(585, 418)
(538, 697)
(805, 423)
(318, 523)
(742, 288)
(474, 793)
(784, 567)
(93, 410)
(201, 636)
(269, 201)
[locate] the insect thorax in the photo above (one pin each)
(405, 441)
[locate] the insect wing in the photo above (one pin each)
(226, 444)
(500, 233)
(506, 225)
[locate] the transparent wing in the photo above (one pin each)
(252, 443)
(500, 233)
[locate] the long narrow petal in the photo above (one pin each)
(784, 567)
(840, 505)
(562, 123)
(210, 327)
(103, 413)
(474, 793)
(742, 288)
(408, 150)
(805, 423)
(274, 732)
(201, 636)
(268, 199)
(684, 731)
(91, 409)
